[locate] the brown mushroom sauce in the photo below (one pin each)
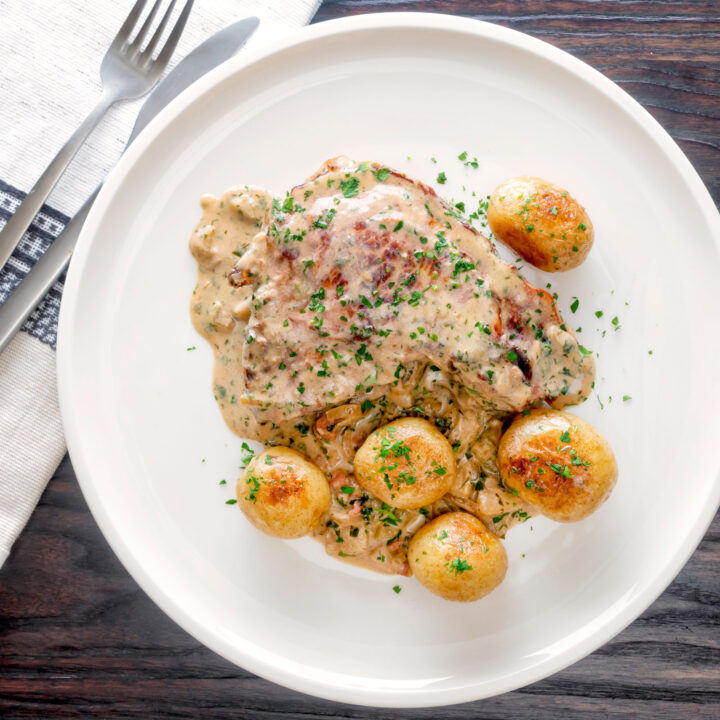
(358, 528)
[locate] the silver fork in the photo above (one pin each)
(127, 72)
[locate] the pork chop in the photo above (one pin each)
(363, 273)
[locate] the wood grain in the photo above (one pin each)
(79, 639)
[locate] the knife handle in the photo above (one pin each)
(36, 285)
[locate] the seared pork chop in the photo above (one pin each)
(363, 273)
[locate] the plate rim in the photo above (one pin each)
(384, 697)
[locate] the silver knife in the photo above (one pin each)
(38, 282)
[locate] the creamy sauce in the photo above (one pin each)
(219, 309)
(359, 298)
(362, 272)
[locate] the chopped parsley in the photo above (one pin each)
(564, 471)
(322, 221)
(350, 187)
(459, 566)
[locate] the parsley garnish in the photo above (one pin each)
(349, 187)
(560, 470)
(323, 221)
(459, 566)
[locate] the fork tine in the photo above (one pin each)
(123, 33)
(148, 51)
(164, 57)
(145, 29)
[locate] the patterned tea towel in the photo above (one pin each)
(50, 56)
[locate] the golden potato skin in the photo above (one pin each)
(542, 222)
(283, 494)
(558, 463)
(407, 463)
(456, 557)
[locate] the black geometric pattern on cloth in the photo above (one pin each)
(42, 324)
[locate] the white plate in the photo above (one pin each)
(148, 443)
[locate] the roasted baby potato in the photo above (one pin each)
(456, 557)
(542, 222)
(407, 463)
(558, 463)
(283, 494)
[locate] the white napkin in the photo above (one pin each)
(50, 54)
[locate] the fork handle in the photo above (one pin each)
(16, 226)
(31, 291)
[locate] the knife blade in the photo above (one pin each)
(37, 283)
(215, 50)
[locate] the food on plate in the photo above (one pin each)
(376, 343)
(558, 463)
(283, 494)
(407, 463)
(542, 222)
(456, 557)
(363, 262)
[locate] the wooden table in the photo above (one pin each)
(78, 638)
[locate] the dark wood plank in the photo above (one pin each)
(78, 638)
